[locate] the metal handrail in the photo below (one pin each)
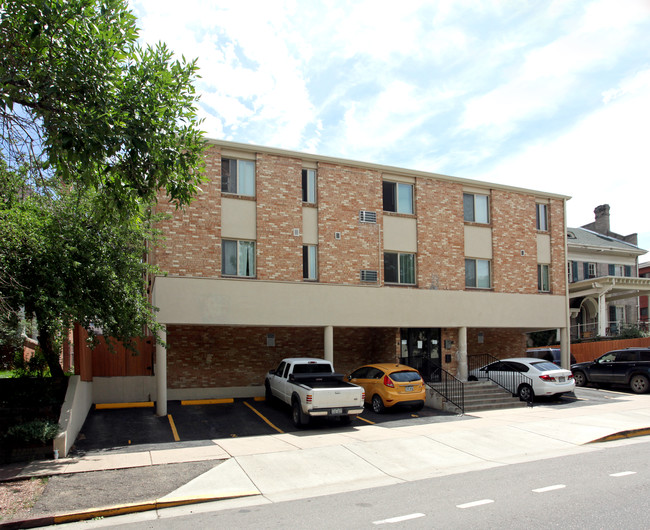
(451, 388)
(511, 382)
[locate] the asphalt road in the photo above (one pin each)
(603, 488)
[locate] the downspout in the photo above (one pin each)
(565, 334)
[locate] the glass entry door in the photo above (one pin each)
(420, 349)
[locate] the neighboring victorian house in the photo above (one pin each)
(644, 272)
(291, 254)
(604, 283)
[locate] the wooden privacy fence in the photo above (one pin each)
(102, 361)
(588, 351)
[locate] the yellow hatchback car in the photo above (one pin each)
(387, 385)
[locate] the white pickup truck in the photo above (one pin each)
(312, 388)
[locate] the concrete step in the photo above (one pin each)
(485, 395)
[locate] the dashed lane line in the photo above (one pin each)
(474, 504)
(550, 488)
(623, 474)
(399, 519)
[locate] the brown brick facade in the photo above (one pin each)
(514, 243)
(215, 356)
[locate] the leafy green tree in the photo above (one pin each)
(81, 102)
(94, 129)
(71, 262)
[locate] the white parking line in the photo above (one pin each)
(550, 488)
(623, 474)
(473, 504)
(399, 519)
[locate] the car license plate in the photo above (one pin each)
(409, 388)
(337, 411)
(562, 379)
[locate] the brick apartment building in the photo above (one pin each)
(292, 254)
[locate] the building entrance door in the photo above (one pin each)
(420, 349)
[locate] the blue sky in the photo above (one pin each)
(553, 96)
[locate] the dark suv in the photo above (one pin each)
(548, 354)
(630, 367)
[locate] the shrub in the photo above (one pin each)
(42, 431)
(36, 366)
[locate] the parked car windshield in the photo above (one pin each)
(316, 368)
(544, 366)
(405, 377)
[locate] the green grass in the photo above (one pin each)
(4, 374)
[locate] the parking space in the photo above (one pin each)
(130, 429)
(135, 428)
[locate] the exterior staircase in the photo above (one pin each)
(486, 395)
(479, 396)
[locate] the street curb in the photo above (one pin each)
(123, 509)
(632, 433)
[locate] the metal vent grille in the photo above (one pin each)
(367, 217)
(369, 276)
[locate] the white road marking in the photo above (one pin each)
(475, 503)
(549, 488)
(623, 474)
(400, 518)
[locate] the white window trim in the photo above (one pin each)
(237, 265)
(487, 197)
(237, 185)
(399, 270)
(476, 260)
(540, 277)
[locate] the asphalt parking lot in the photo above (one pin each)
(132, 429)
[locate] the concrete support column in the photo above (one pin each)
(602, 315)
(565, 349)
(329, 344)
(462, 354)
(161, 373)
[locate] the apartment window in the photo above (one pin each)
(477, 273)
(238, 258)
(543, 283)
(476, 208)
(309, 264)
(399, 268)
(398, 197)
(309, 186)
(238, 176)
(541, 217)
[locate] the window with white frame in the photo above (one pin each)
(591, 270)
(309, 186)
(541, 217)
(399, 268)
(476, 208)
(543, 278)
(309, 262)
(238, 258)
(238, 176)
(478, 273)
(398, 197)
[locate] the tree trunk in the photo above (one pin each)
(46, 342)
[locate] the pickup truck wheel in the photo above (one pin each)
(639, 384)
(299, 419)
(377, 404)
(268, 395)
(580, 378)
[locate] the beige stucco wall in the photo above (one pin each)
(261, 303)
(400, 234)
(478, 242)
(238, 219)
(543, 248)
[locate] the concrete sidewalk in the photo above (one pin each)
(305, 464)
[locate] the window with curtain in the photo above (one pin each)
(477, 273)
(309, 265)
(543, 279)
(399, 268)
(476, 208)
(238, 176)
(398, 197)
(541, 217)
(309, 186)
(238, 258)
